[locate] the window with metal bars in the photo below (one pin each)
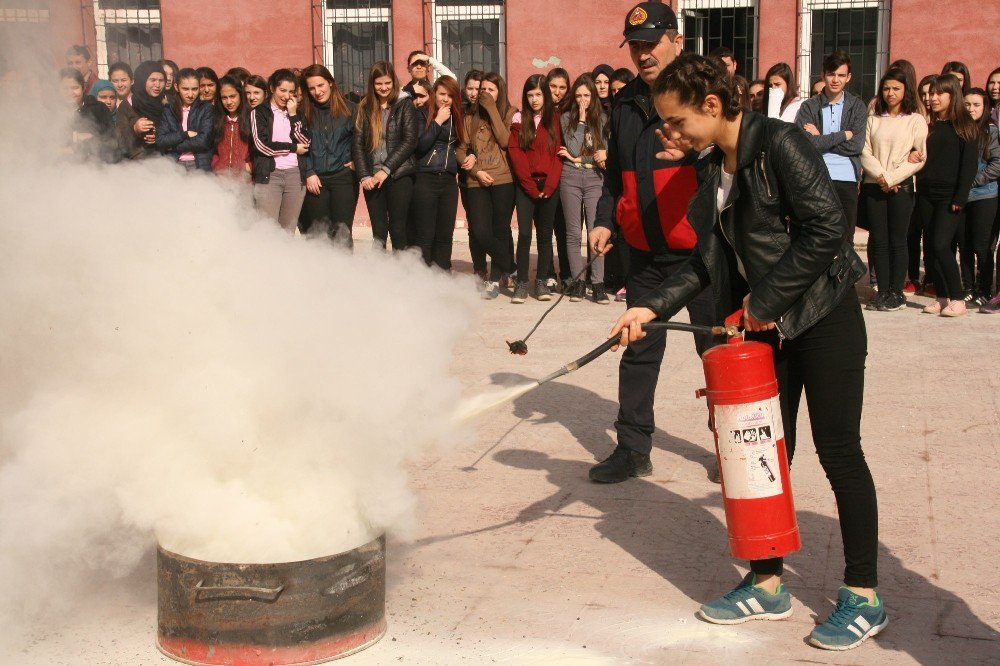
(127, 31)
(24, 24)
(356, 35)
(859, 27)
(470, 34)
(709, 24)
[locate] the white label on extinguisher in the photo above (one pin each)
(747, 437)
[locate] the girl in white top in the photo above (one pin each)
(895, 130)
(783, 98)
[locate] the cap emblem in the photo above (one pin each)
(638, 16)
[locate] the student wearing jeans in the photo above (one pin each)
(895, 129)
(483, 155)
(385, 137)
(435, 200)
(771, 239)
(980, 212)
(332, 187)
(836, 122)
(943, 187)
(533, 147)
(279, 142)
(584, 154)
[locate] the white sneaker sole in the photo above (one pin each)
(874, 631)
(748, 618)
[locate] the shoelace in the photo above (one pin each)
(845, 613)
(738, 594)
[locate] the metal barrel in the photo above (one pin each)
(285, 614)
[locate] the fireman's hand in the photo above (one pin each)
(750, 322)
(629, 326)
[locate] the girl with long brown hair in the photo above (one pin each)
(584, 152)
(943, 190)
(483, 155)
(385, 137)
(435, 200)
(534, 146)
(781, 77)
(331, 186)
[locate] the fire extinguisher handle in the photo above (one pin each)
(734, 319)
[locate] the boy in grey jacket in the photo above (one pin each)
(836, 121)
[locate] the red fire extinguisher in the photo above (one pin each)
(743, 403)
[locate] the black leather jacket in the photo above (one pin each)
(401, 134)
(784, 222)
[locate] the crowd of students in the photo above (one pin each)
(917, 165)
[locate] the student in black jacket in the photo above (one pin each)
(435, 200)
(279, 142)
(943, 189)
(186, 128)
(771, 238)
(331, 186)
(385, 137)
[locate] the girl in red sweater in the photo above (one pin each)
(533, 149)
(232, 130)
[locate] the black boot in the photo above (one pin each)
(620, 465)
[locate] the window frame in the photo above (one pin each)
(334, 17)
(753, 5)
(470, 11)
(105, 17)
(807, 7)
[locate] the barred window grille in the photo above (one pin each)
(127, 31)
(23, 25)
(860, 27)
(356, 35)
(470, 34)
(709, 24)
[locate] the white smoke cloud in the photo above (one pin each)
(174, 368)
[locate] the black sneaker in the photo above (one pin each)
(877, 302)
(542, 290)
(620, 465)
(894, 301)
(520, 293)
(600, 296)
(577, 291)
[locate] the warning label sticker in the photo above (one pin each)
(748, 437)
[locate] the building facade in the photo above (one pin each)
(515, 37)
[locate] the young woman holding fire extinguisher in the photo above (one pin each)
(770, 240)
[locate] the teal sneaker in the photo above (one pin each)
(854, 620)
(748, 602)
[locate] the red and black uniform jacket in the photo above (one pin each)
(644, 197)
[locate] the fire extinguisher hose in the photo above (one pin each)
(715, 331)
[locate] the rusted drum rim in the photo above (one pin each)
(276, 614)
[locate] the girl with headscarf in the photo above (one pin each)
(137, 121)
(602, 81)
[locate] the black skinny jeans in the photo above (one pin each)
(888, 218)
(477, 252)
(541, 213)
(435, 204)
(828, 362)
(977, 246)
(389, 210)
(334, 206)
(639, 368)
(847, 192)
(490, 212)
(942, 231)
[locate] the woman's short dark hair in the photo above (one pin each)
(957, 66)
(900, 75)
(241, 73)
(280, 76)
(622, 75)
(120, 67)
(208, 73)
(473, 75)
(693, 78)
(186, 73)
